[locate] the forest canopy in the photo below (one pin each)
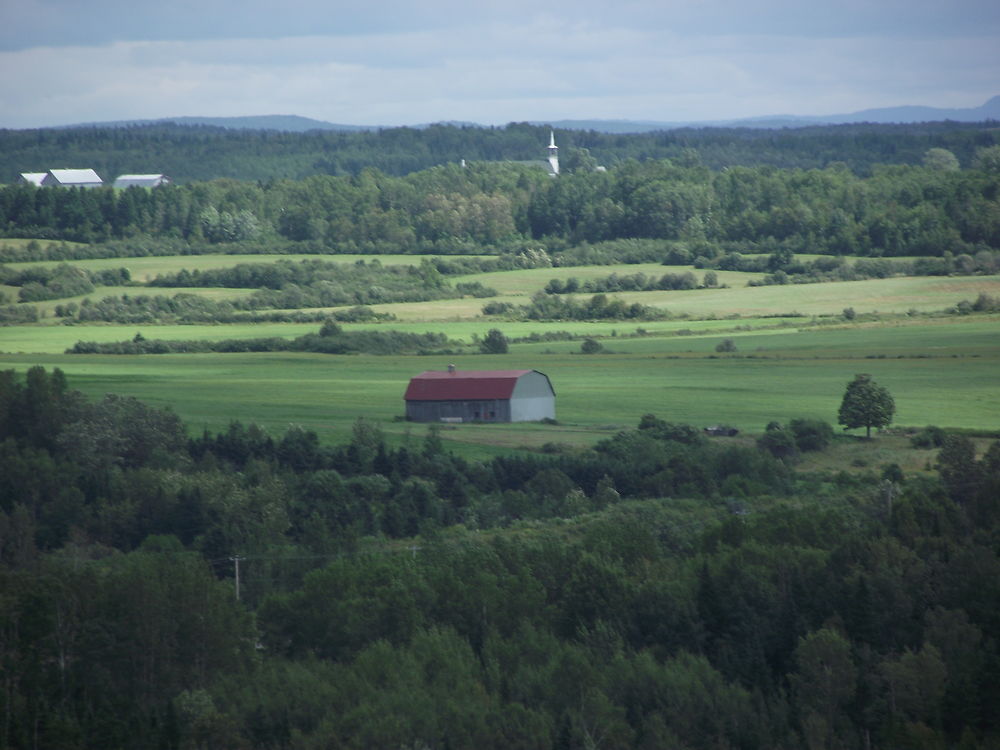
(662, 589)
(496, 207)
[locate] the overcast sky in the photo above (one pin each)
(398, 62)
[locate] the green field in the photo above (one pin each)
(54, 339)
(794, 355)
(940, 372)
(894, 295)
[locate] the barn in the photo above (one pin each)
(141, 180)
(480, 396)
(33, 178)
(82, 178)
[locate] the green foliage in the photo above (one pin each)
(625, 623)
(811, 434)
(494, 342)
(987, 158)
(930, 436)
(591, 346)
(941, 159)
(62, 281)
(779, 442)
(599, 307)
(747, 215)
(866, 404)
(331, 339)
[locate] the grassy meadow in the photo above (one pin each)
(794, 355)
(940, 372)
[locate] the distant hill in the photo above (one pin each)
(886, 115)
(283, 123)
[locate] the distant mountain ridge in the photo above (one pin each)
(284, 123)
(884, 115)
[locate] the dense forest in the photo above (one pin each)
(200, 153)
(661, 590)
(929, 209)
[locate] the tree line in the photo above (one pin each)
(200, 153)
(331, 339)
(696, 593)
(894, 211)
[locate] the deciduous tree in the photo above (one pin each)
(865, 404)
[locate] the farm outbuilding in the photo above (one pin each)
(480, 396)
(33, 178)
(141, 180)
(83, 178)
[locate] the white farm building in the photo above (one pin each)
(82, 178)
(141, 180)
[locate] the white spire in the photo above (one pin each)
(553, 154)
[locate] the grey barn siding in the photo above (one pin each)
(467, 411)
(481, 396)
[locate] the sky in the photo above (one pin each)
(406, 62)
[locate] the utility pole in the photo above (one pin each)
(236, 561)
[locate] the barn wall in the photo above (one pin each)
(468, 411)
(532, 409)
(533, 399)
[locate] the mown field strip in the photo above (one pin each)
(530, 280)
(894, 295)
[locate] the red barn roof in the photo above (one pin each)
(459, 385)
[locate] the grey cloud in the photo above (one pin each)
(31, 23)
(541, 66)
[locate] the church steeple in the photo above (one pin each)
(553, 154)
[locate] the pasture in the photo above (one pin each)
(939, 371)
(794, 355)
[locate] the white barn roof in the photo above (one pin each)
(141, 180)
(34, 178)
(72, 177)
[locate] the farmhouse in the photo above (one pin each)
(83, 178)
(141, 180)
(480, 396)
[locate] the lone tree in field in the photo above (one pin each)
(494, 343)
(866, 404)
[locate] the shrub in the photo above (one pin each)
(778, 441)
(494, 342)
(590, 346)
(725, 345)
(497, 308)
(929, 437)
(811, 434)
